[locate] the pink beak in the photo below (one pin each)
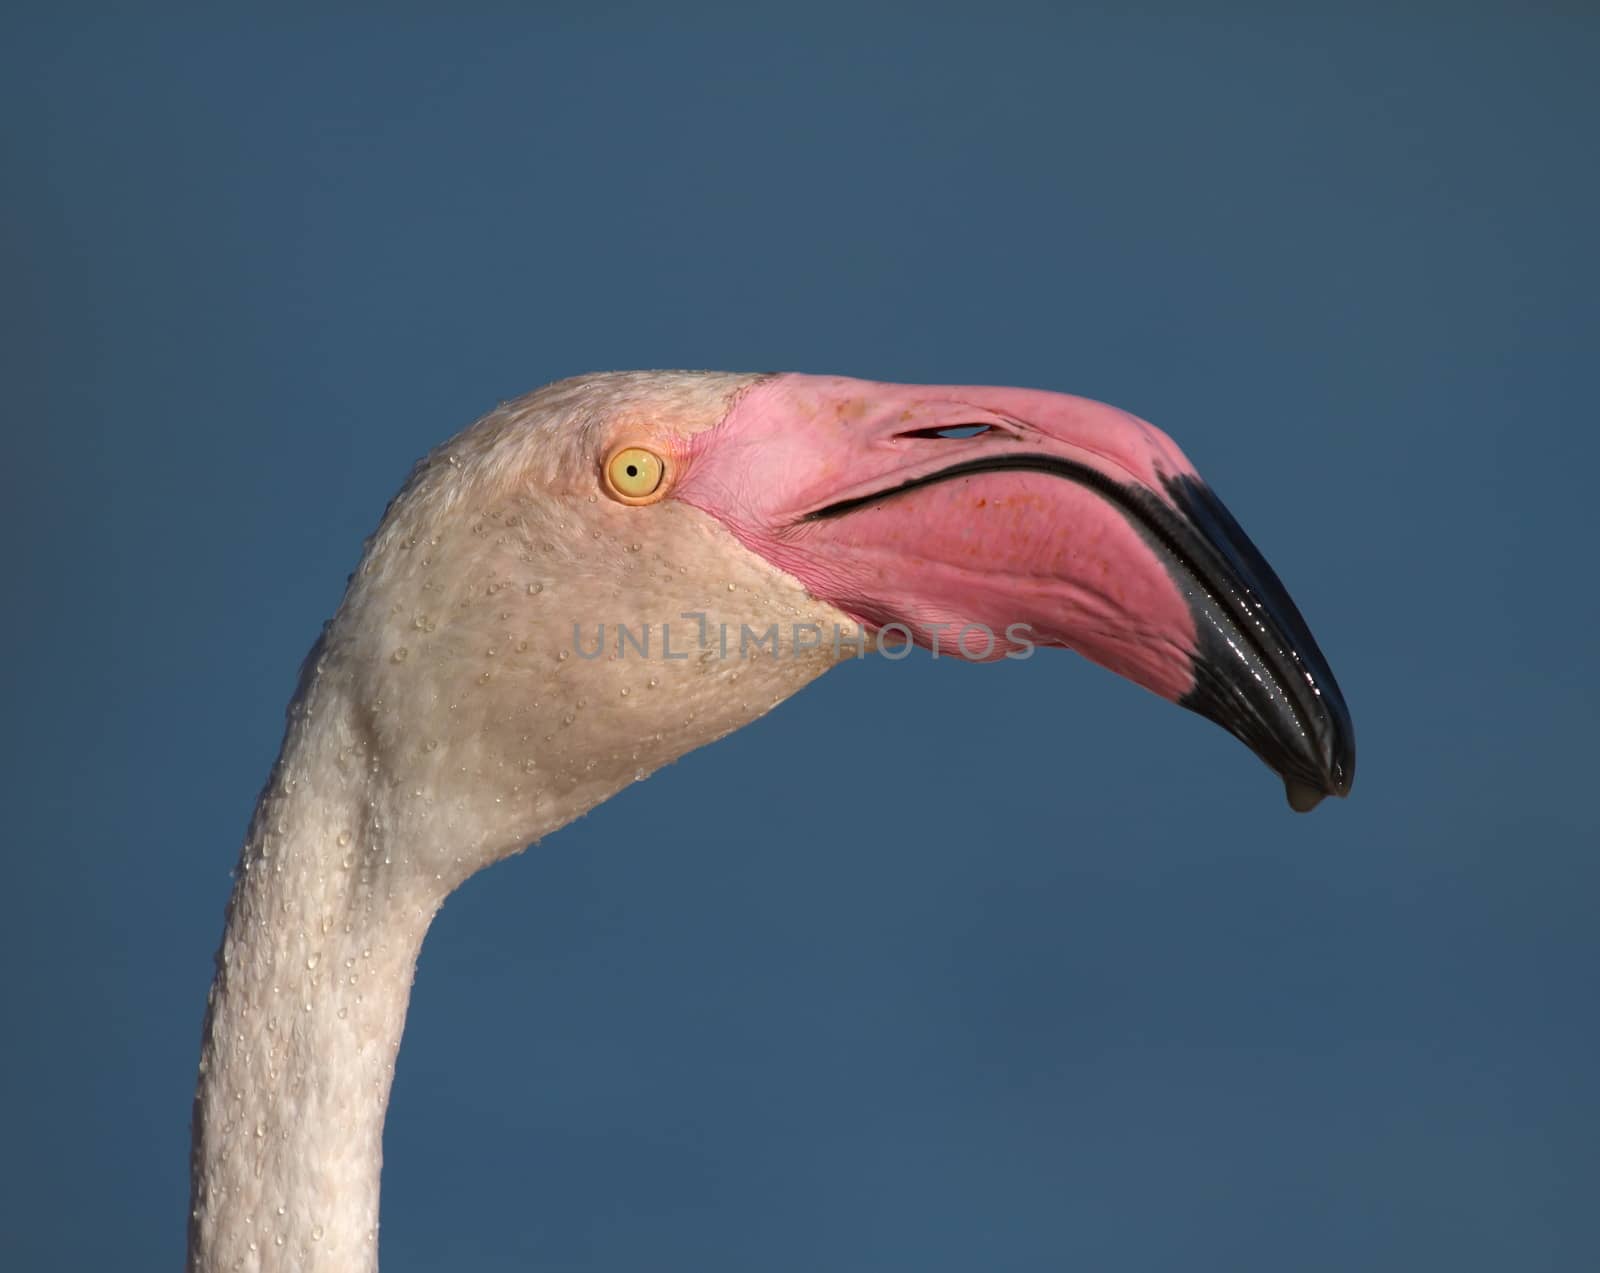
(988, 520)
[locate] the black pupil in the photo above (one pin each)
(633, 470)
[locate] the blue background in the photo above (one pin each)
(1066, 987)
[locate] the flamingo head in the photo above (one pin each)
(599, 577)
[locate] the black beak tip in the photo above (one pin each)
(1335, 778)
(1276, 692)
(1303, 797)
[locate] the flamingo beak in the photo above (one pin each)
(983, 522)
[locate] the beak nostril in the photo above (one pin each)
(952, 431)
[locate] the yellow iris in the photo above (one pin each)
(634, 473)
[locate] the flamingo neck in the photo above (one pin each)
(305, 1015)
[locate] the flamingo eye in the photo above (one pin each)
(636, 476)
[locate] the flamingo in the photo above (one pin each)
(595, 579)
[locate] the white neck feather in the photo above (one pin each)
(305, 1017)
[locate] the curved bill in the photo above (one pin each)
(1031, 518)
